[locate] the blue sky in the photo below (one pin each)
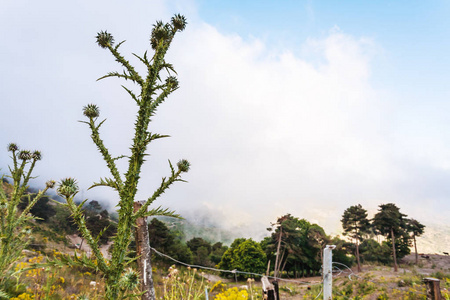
(302, 107)
(414, 34)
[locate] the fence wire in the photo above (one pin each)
(229, 271)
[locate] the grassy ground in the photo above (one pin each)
(374, 282)
(378, 282)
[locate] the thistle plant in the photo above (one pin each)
(153, 89)
(13, 229)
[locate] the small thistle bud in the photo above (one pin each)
(160, 32)
(179, 22)
(50, 184)
(183, 165)
(173, 81)
(37, 155)
(12, 147)
(104, 39)
(129, 279)
(67, 187)
(25, 155)
(91, 111)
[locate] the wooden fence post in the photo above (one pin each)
(433, 288)
(268, 289)
(277, 290)
(143, 252)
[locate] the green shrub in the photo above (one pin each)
(440, 275)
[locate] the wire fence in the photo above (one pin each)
(228, 271)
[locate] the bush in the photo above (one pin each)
(244, 255)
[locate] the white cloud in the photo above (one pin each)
(275, 133)
(267, 132)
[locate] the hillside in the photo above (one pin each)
(436, 239)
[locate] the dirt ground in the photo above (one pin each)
(77, 241)
(429, 263)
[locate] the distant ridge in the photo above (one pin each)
(436, 239)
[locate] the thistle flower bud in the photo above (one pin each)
(67, 187)
(25, 155)
(173, 81)
(104, 39)
(160, 32)
(179, 22)
(50, 184)
(12, 147)
(91, 111)
(183, 165)
(37, 155)
(129, 279)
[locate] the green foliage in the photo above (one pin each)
(195, 243)
(391, 223)
(62, 221)
(166, 241)
(153, 90)
(372, 251)
(389, 218)
(383, 296)
(440, 275)
(42, 210)
(402, 245)
(355, 222)
(100, 225)
(244, 255)
(181, 252)
(201, 250)
(343, 252)
(13, 230)
(301, 245)
(356, 225)
(414, 227)
(160, 236)
(217, 251)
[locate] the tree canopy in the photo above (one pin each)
(391, 223)
(244, 255)
(356, 225)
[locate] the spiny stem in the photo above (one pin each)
(135, 75)
(105, 153)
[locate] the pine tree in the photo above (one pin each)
(356, 226)
(417, 229)
(390, 222)
(295, 244)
